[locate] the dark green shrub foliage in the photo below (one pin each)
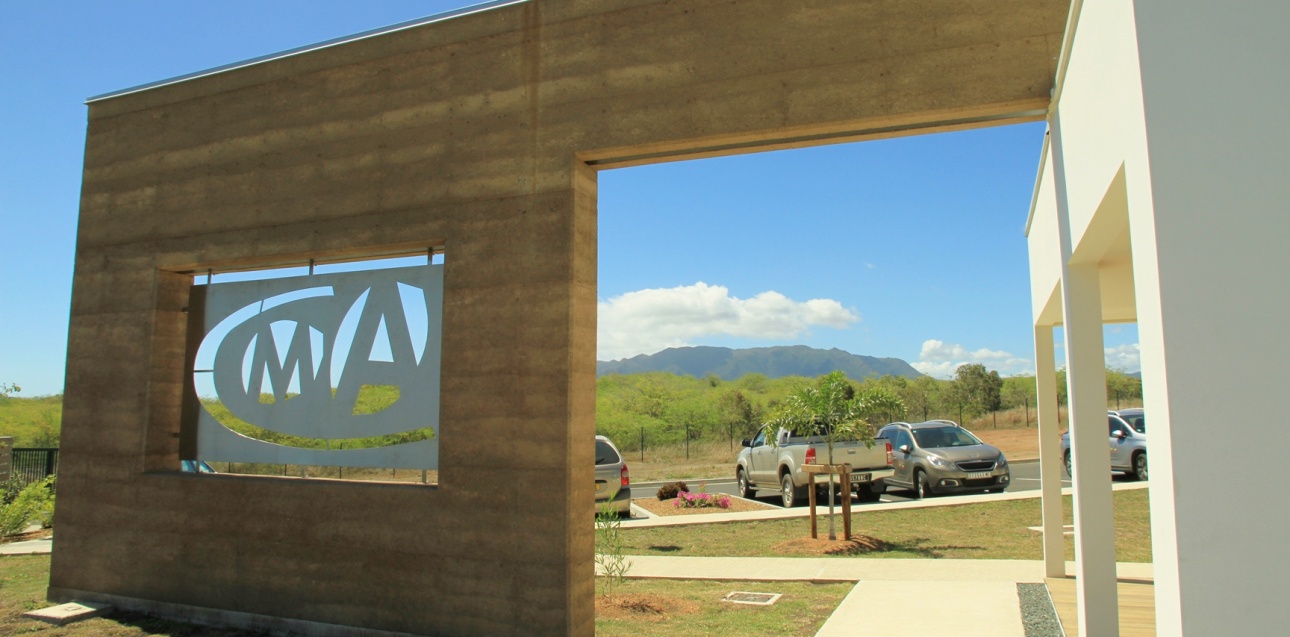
(670, 490)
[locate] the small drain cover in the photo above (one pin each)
(756, 599)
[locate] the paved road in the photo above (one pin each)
(1025, 477)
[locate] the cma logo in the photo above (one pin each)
(293, 355)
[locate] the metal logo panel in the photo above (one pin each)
(333, 369)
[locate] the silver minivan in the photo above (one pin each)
(1127, 430)
(939, 456)
(613, 484)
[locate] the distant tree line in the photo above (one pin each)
(667, 407)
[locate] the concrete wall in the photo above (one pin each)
(1169, 118)
(474, 134)
(1219, 146)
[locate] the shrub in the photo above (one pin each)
(701, 500)
(671, 490)
(33, 505)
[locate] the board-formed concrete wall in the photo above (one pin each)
(481, 134)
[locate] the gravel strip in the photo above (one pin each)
(1037, 612)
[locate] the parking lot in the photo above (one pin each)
(1025, 477)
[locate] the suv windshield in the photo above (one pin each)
(934, 437)
(1138, 423)
(605, 453)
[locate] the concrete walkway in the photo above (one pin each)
(30, 547)
(971, 597)
(968, 598)
(642, 518)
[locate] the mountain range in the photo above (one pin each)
(774, 362)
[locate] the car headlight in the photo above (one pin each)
(1003, 462)
(938, 461)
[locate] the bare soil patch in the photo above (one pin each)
(857, 545)
(649, 607)
(665, 507)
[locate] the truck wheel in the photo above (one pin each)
(745, 490)
(869, 494)
(790, 494)
(1067, 460)
(1140, 466)
(921, 488)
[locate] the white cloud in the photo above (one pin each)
(647, 321)
(941, 360)
(1126, 357)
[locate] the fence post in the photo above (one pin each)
(687, 441)
(960, 414)
(1027, 401)
(730, 429)
(642, 444)
(995, 415)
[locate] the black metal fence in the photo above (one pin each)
(33, 464)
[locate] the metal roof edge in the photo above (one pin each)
(439, 17)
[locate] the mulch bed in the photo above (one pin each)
(23, 537)
(857, 545)
(643, 607)
(664, 507)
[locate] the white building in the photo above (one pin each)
(1162, 199)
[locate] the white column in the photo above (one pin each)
(1096, 594)
(1090, 453)
(1050, 453)
(1210, 260)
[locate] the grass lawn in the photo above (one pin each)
(23, 579)
(659, 607)
(684, 608)
(990, 530)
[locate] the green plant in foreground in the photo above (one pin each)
(609, 548)
(34, 504)
(832, 409)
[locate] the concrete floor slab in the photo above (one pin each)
(896, 609)
(68, 613)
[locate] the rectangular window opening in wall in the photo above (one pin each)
(317, 370)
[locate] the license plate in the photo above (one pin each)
(979, 474)
(861, 477)
(600, 486)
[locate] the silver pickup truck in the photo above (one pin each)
(775, 457)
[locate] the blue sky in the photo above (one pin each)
(911, 248)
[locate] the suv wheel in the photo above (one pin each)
(745, 490)
(867, 494)
(921, 488)
(1067, 460)
(790, 494)
(1140, 466)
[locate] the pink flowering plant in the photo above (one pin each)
(700, 500)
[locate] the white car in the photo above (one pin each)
(1128, 438)
(613, 484)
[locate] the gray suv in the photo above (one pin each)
(939, 457)
(613, 484)
(1127, 429)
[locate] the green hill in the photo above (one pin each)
(773, 362)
